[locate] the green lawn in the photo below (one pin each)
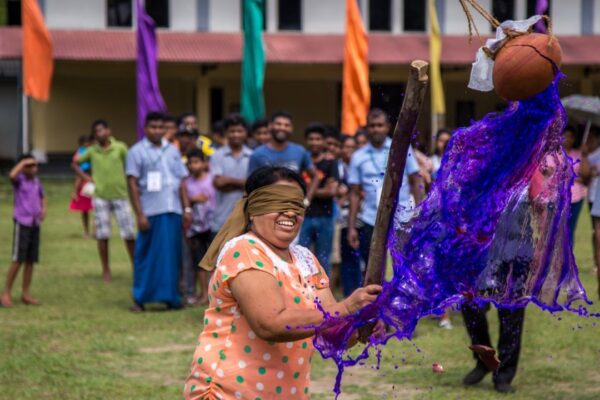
(84, 344)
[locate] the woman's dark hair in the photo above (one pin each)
(441, 131)
(269, 175)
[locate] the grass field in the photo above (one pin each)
(82, 343)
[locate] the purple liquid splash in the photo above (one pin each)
(494, 228)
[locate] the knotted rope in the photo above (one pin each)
(510, 33)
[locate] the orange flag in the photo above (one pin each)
(37, 52)
(356, 93)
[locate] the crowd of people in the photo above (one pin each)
(177, 170)
(250, 196)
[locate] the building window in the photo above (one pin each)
(290, 15)
(503, 10)
(10, 12)
(118, 13)
(380, 15)
(159, 11)
(414, 16)
(531, 8)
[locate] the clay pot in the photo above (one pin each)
(526, 65)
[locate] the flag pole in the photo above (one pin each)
(24, 123)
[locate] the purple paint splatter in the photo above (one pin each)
(493, 229)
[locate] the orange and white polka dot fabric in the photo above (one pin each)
(230, 361)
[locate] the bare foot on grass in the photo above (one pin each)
(5, 300)
(30, 301)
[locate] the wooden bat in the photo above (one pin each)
(405, 127)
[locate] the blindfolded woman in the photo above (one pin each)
(256, 342)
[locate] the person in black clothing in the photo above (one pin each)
(318, 223)
(509, 259)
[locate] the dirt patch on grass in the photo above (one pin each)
(366, 379)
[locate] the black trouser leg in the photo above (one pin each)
(477, 326)
(509, 344)
(364, 236)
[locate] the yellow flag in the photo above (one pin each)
(438, 105)
(356, 92)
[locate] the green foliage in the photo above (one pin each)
(83, 343)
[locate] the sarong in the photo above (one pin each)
(157, 261)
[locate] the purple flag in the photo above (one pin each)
(541, 8)
(148, 93)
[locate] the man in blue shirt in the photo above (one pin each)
(367, 169)
(279, 151)
(154, 175)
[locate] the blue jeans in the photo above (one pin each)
(318, 230)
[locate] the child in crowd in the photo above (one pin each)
(202, 196)
(30, 207)
(81, 202)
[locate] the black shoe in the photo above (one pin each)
(503, 387)
(475, 376)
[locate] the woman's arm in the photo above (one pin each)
(261, 301)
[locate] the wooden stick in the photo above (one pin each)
(405, 127)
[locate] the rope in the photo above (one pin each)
(510, 33)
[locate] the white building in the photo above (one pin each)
(200, 47)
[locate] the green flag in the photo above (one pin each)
(253, 64)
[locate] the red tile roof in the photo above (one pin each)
(294, 48)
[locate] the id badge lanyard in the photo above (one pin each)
(154, 178)
(380, 170)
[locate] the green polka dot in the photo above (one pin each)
(200, 359)
(297, 300)
(252, 241)
(306, 390)
(247, 349)
(262, 370)
(218, 309)
(304, 345)
(233, 328)
(258, 398)
(236, 254)
(205, 321)
(214, 287)
(296, 375)
(259, 264)
(278, 389)
(280, 283)
(225, 276)
(219, 386)
(192, 388)
(215, 335)
(222, 355)
(239, 379)
(209, 297)
(310, 359)
(208, 379)
(284, 359)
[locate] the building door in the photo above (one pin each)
(10, 111)
(388, 97)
